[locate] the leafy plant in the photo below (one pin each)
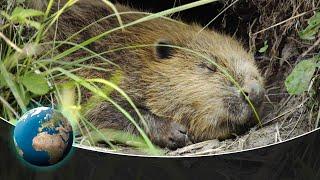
(299, 79)
(264, 48)
(312, 29)
(15, 74)
(35, 83)
(22, 16)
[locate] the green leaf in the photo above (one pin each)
(4, 14)
(312, 29)
(20, 1)
(21, 15)
(264, 48)
(11, 84)
(34, 24)
(2, 81)
(299, 79)
(35, 83)
(25, 95)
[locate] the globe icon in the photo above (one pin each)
(43, 136)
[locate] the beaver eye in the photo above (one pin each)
(163, 51)
(208, 67)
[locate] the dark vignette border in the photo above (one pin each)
(295, 159)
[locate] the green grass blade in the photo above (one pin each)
(12, 87)
(113, 86)
(99, 20)
(80, 47)
(7, 105)
(101, 94)
(144, 19)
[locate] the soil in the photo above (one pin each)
(289, 123)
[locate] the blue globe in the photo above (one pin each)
(43, 136)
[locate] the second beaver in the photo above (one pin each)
(179, 94)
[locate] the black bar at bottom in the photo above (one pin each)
(295, 159)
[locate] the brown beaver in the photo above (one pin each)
(179, 94)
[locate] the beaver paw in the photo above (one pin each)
(171, 135)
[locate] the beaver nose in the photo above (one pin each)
(254, 90)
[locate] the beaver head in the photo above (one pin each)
(183, 86)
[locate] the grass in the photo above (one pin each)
(21, 62)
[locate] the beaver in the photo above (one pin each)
(181, 96)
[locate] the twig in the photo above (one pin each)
(278, 132)
(269, 100)
(289, 111)
(10, 43)
(223, 148)
(310, 48)
(282, 22)
(224, 10)
(279, 116)
(9, 107)
(210, 151)
(243, 140)
(192, 147)
(294, 127)
(284, 104)
(6, 121)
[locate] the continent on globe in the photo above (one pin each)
(43, 136)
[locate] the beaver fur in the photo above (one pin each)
(180, 95)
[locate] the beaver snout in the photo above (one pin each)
(255, 91)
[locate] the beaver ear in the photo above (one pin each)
(162, 49)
